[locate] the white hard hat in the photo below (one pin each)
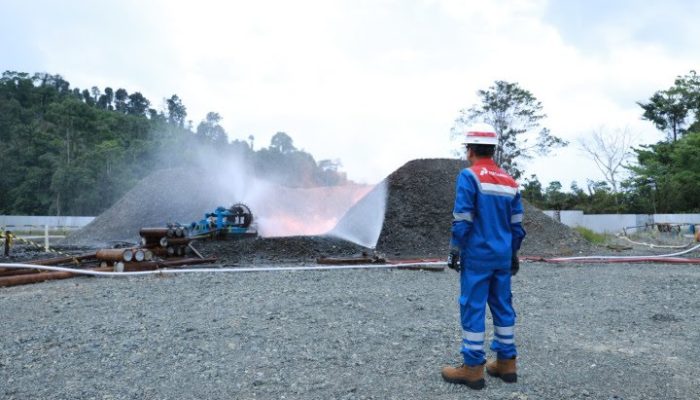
(481, 133)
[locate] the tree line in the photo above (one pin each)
(67, 151)
(658, 178)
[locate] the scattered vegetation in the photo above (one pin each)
(593, 237)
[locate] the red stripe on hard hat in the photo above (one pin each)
(482, 134)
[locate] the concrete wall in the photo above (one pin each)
(678, 218)
(614, 223)
(22, 222)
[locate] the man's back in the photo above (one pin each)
(491, 196)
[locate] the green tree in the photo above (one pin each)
(554, 197)
(138, 104)
(672, 172)
(121, 98)
(210, 131)
(515, 113)
(87, 97)
(177, 112)
(668, 110)
(105, 101)
(532, 191)
(282, 143)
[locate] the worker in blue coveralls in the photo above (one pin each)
(486, 235)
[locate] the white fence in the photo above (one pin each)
(37, 227)
(25, 222)
(614, 223)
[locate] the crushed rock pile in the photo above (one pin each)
(173, 195)
(419, 215)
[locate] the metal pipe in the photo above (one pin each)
(33, 278)
(159, 251)
(139, 255)
(191, 246)
(180, 251)
(141, 266)
(13, 272)
(151, 241)
(165, 242)
(187, 261)
(115, 255)
(63, 260)
(153, 232)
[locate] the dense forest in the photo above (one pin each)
(67, 151)
(661, 178)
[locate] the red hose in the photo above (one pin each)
(658, 260)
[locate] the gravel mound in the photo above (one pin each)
(173, 195)
(547, 237)
(418, 215)
(584, 332)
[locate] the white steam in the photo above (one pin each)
(363, 223)
(352, 212)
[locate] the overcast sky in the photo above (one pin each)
(373, 83)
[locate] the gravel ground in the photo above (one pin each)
(585, 332)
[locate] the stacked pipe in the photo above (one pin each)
(119, 257)
(171, 241)
(164, 242)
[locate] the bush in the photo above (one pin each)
(593, 237)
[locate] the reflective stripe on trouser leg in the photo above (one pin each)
(472, 341)
(474, 293)
(501, 304)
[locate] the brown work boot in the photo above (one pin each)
(473, 377)
(503, 368)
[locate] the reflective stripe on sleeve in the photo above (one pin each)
(515, 218)
(467, 216)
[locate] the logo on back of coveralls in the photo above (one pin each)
(483, 171)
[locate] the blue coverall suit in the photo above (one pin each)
(487, 229)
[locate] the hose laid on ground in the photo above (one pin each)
(656, 246)
(662, 258)
(191, 270)
(628, 258)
